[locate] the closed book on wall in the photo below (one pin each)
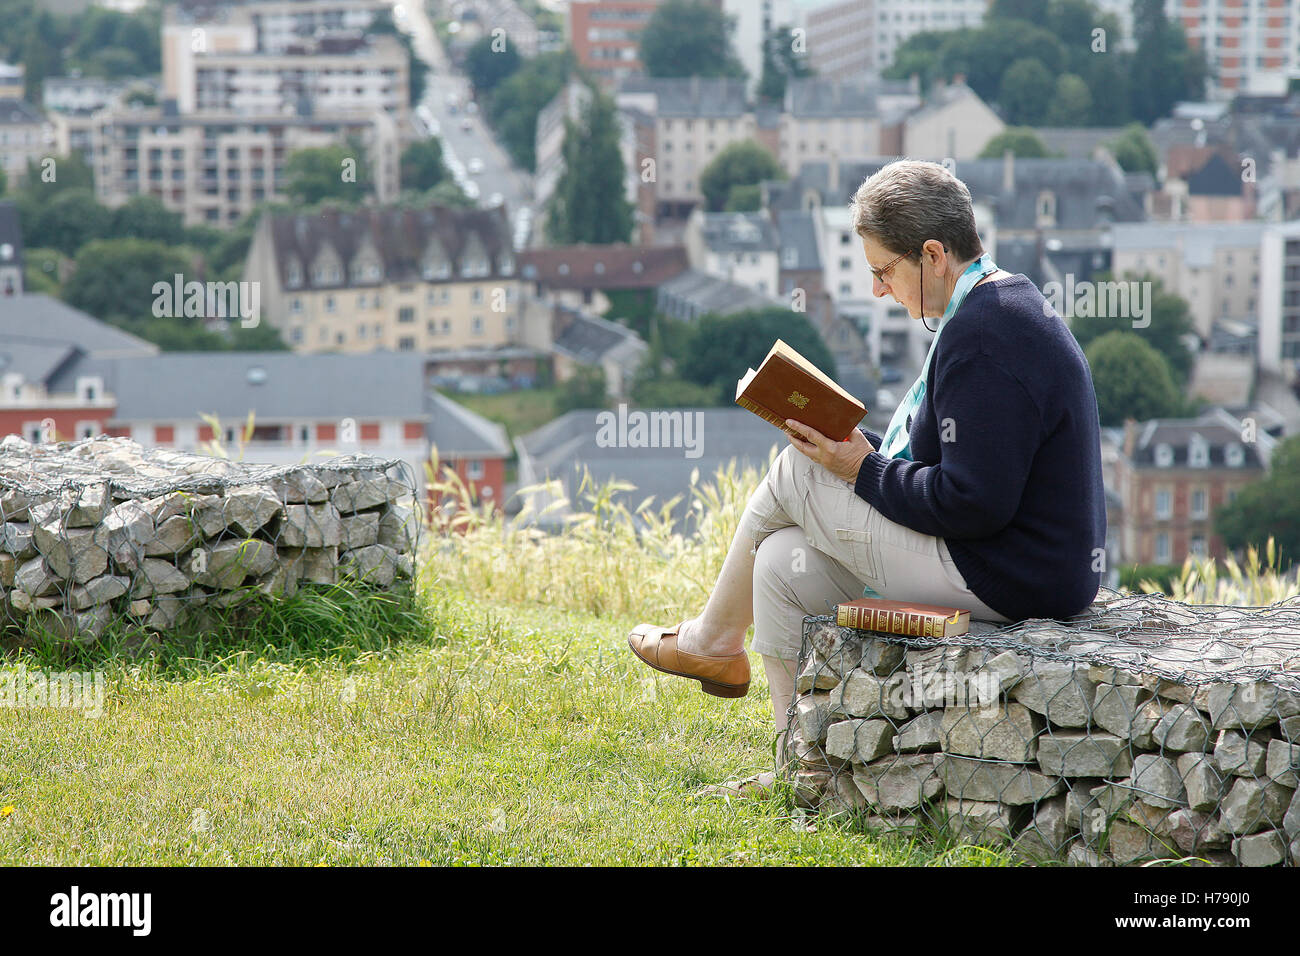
(787, 385)
(902, 617)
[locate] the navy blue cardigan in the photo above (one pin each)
(1007, 456)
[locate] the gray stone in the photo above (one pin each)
(1059, 690)
(98, 590)
(834, 644)
(8, 569)
(299, 487)
(1243, 756)
(24, 603)
(809, 786)
(1048, 832)
(35, 578)
(1182, 728)
(1254, 805)
(899, 782)
(1195, 831)
(841, 797)
(1116, 708)
(998, 675)
(1260, 849)
(130, 528)
(1127, 843)
(815, 675)
(1291, 819)
(1289, 727)
(359, 530)
(881, 657)
(995, 733)
(1107, 674)
(166, 613)
(176, 534)
(84, 507)
(1079, 754)
(397, 531)
(978, 821)
(1006, 783)
(315, 565)
(158, 577)
(374, 564)
(1155, 779)
(1080, 855)
(359, 495)
(1282, 763)
(76, 554)
(16, 539)
(1204, 784)
(1251, 705)
(310, 526)
(247, 509)
(860, 741)
(863, 694)
(922, 733)
(227, 564)
(812, 712)
(14, 505)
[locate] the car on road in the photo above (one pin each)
(471, 189)
(466, 123)
(475, 166)
(886, 400)
(496, 199)
(890, 375)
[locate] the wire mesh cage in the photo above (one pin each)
(1141, 730)
(102, 528)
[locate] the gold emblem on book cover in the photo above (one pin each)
(797, 399)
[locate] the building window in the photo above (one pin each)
(1234, 455)
(1198, 509)
(329, 303)
(1197, 546)
(406, 344)
(474, 470)
(406, 314)
(1164, 505)
(1198, 452)
(1164, 455)
(1162, 548)
(478, 325)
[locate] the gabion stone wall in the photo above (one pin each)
(1141, 730)
(102, 529)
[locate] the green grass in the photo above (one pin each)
(459, 734)
(520, 411)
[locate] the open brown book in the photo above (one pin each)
(901, 617)
(787, 385)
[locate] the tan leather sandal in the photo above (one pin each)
(720, 676)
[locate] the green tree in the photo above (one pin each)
(1268, 508)
(449, 194)
(145, 217)
(327, 172)
(114, 278)
(487, 67)
(513, 107)
(1170, 324)
(584, 389)
(382, 22)
(743, 198)
(780, 63)
(67, 220)
(689, 38)
(1134, 151)
(1035, 11)
(1165, 69)
(1072, 103)
(743, 163)
(1021, 140)
(422, 166)
(589, 204)
(721, 347)
(41, 271)
(921, 55)
(1026, 92)
(1132, 380)
(66, 172)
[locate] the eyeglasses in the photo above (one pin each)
(880, 273)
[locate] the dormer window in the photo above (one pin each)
(1234, 456)
(1164, 455)
(89, 388)
(1198, 452)
(1046, 208)
(507, 265)
(293, 276)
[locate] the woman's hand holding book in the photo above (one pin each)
(840, 458)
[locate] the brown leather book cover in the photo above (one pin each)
(900, 617)
(786, 385)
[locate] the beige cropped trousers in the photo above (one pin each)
(816, 544)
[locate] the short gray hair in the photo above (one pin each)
(909, 201)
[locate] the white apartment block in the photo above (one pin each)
(242, 62)
(215, 167)
(896, 20)
(1214, 266)
(754, 22)
(740, 247)
(824, 117)
(1251, 46)
(1279, 311)
(24, 135)
(840, 38)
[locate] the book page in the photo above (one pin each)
(744, 381)
(786, 352)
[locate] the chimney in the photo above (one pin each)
(833, 175)
(1130, 437)
(1008, 171)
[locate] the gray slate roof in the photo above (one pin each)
(458, 432)
(811, 97)
(692, 96)
(695, 293)
(561, 447)
(19, 112)
(41, 337)
(1217, 427)
(738, 232)
(589, 338)
(798, 232)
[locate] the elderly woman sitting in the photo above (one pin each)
(985, 492)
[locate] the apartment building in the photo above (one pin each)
(11, 251)
(954, 122)
(857, 39)
(695, 119)
(1279, 307)
(434, 278)
(1214, 266)
(1251, 46)
(741, 247)
(24, 135)
(605, 36)
(820, 117)
(214, 167)
(1173, 474)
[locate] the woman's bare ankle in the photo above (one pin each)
(693, 639)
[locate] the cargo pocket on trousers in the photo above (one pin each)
(864, 563)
